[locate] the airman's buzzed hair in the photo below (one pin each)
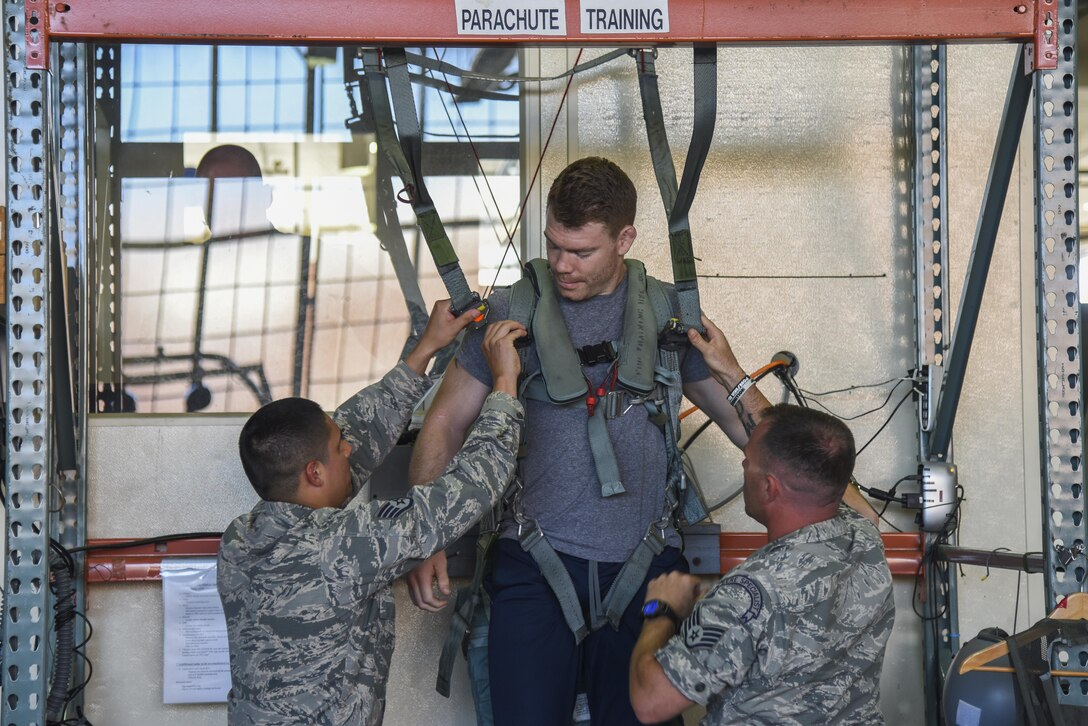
(593, 190)
(278, 441)
(815, 448)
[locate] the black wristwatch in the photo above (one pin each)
(658, 608)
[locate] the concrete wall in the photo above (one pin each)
(807, 181)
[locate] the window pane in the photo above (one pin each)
(250, 264)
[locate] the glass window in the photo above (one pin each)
(243, 261)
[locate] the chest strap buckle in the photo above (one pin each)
(603, 352)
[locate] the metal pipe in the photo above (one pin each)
(999, 559)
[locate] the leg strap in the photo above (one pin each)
(632, 575)
(468, 599)
(551, 567)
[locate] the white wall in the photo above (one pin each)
(808, 177)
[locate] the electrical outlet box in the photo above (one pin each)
(938, 490)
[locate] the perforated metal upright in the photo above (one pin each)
(26, 590)
(74, 176)
(930, 202)
(1058, 259)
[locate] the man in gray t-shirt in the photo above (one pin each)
(536, 665)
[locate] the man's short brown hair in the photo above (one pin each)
(593, 189)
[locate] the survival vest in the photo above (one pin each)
(648, 374)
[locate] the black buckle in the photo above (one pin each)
(674, 336)
(603, 352)
(483, 307)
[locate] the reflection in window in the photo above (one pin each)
(249, 264)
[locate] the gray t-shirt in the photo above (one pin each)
(562, 491)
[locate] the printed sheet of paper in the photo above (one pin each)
(196, 660)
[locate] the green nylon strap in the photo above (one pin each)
(435, 234)
(677, 199)
(404, 152)
(656, 135)
(604, 457)
(558, 360)
(632, 575)
(551, 568)
(683, 256)
(638, 349)
(468, 599)
(378, 93)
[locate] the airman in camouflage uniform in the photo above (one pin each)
(305, 576)
(795, 634)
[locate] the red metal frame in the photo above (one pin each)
(141, 563)
(903, 550)
(434, 22)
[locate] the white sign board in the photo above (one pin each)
(626, 16)
(195, 658)
(511, 17)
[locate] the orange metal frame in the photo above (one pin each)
(435, 22)
(141, 563)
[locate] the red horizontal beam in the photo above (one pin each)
(142, 562)
(444, 22)
(903, 550)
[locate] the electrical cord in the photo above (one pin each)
(854, 388)
(864, 413)
(146, 541)
(61, 691)
(886, 422)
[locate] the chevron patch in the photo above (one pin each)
(394, 508)
(698, 634)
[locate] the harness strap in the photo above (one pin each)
(600, 443)
(677, 199)
(558, 361)
(604, 457)
(405, 153)
(390, 235)
(551, 567)
(468, 599)
(637, 354)
(632, 575)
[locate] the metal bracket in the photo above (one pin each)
(1046, 34)
(36, 31)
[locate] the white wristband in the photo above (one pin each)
(736, 393)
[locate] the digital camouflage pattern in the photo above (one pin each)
(795, 634)
(307, 592)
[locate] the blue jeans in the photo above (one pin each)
(534, 663)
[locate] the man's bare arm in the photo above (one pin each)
(452, 411)
(653, 696)
(711, 395)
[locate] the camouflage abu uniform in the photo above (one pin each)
(795, 634)
(306, 591)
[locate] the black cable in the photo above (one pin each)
(702, 427)
(885, 424)
(854, 388)
(63, 588)
(888, 398)
(149, 540)
(888, 497)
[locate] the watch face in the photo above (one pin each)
(650, 609)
